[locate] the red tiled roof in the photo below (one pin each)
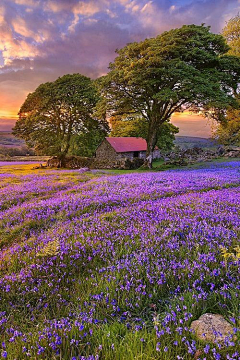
(127, 144)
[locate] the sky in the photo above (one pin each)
(41, 40)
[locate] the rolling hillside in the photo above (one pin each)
(8, 140)
(187, 142)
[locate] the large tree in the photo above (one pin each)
(232, 34)
(137, 126)
(85, 143)
(56, 112)
(228, 131)
(180, 69)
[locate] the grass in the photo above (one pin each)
(116, 267)
(158, 165)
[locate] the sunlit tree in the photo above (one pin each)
(180, 69)
(57, 113)
(228, 131)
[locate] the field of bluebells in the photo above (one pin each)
(103, 266)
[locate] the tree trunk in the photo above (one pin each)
(151, 143)
(62, 156)
(61, 160)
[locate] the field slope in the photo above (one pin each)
(117, 266)
(187, 142)
(8, 140)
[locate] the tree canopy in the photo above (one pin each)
(58, 112)
(185, 68)
(232, 34)
(228, 131)
(138, 127)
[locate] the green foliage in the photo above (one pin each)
(138, 127)
(57, 112)
(228, 132)
(180, 69)
(85, 143)
(50, 249)
(232, 34)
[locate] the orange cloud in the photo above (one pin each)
(8, 114)
(43, 39)
(26, 2)
(20, 26)
(12, 47)
(11, 101)
(7, 124)
(192, 124)
(88, 9)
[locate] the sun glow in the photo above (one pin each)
(8, 114)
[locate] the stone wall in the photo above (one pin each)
(156, 154)
(77, 162)
(193, 155)
(124, 164)
(71, 162)
(125, 155)
(142, 155)
(105, 151)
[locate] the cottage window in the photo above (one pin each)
(136, 154)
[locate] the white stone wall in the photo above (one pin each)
(126, 155)
(141, 155)
(156, 154)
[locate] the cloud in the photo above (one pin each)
(158, 16)
(41, 40)
(26, 2)
(10, 101)
(13, 46)
(20, 26)
(192, 125)
(56, 6)
(88, 8)
(6, 124)
(56, 56)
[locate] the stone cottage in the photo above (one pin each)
(118, 148)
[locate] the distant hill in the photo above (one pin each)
(9, 141)
(188, 142)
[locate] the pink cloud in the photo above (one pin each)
(192, 125)
(6, 124)
(43, 39)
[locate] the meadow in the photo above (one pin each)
(117, 266)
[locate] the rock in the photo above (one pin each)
(232, 151)
(212, 327)
(83, 164)
(177, 162)
(220, 151)
(83, 170)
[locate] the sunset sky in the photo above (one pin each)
(41, 40)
